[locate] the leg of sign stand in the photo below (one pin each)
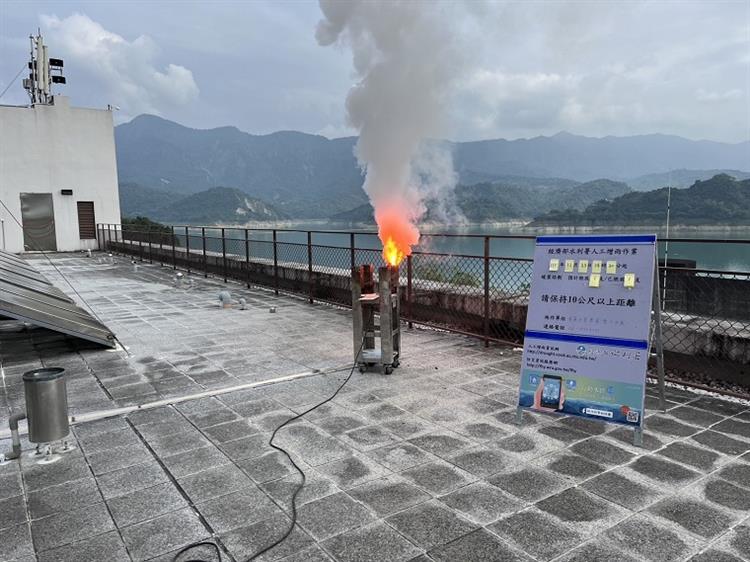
(658, 340)
(519, 415)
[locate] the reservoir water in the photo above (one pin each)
(720, 254)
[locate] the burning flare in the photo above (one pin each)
(397, 232)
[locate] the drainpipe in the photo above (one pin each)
(16, 452)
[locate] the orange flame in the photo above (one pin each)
(391, 253)
(397, 233)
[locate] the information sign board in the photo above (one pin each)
(587, 329)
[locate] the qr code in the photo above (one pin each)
(633, 416)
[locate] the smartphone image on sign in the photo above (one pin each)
(551, 392)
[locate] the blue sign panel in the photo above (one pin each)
(587, 329)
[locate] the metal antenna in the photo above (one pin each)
(666, 245)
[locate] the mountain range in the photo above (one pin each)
(298, 175)
(719, 200)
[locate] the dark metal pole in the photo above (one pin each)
(408, 289)
(174, 249)
(150, 248)
(310, 280)
(275, 265)
(224, 253)
(486, 291)
(140, 248)
(205, 261)
(187, 248)
(247, 257)
(351, 251)
(161, 247)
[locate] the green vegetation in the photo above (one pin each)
(144, 223)
(512, 199)
(721, 200)
(218, 205)
(453, 276)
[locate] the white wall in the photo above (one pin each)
(47, 148)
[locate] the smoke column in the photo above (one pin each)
(406, 61)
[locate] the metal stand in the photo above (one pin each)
(658, 343)
(366, 302)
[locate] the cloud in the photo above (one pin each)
(126, 69)
(712, 97)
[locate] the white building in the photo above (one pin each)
(58, 176)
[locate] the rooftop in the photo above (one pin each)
(425, 464)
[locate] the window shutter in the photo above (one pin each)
(86, 220)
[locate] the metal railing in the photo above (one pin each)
(473, 284)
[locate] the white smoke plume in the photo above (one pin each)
(407, 60)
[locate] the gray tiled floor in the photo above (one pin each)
(423, 465)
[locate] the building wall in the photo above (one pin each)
(48, 148)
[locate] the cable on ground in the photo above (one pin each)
(297, 490)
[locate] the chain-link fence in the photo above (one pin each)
(473, 284)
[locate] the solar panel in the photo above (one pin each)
(27, 296)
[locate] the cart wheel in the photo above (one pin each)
(396, 363)
(387, 369)
(362, 368)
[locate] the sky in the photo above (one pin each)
(528, 68)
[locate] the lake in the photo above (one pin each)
(720, 255)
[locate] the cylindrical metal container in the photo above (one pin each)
(46, 404)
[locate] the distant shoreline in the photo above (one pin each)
(521, 226)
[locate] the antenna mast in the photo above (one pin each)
(43, 72)
(666, 245)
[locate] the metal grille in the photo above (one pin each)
(482, 289)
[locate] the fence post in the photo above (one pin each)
(224, 254)
(408, 289)
(161, 247)
(187, 247)
(109, 238)
(275, 265)
(351, 251)
(247, 257)
(205, 261)
(140, 248)
(310, 280)
(174, 249)
(486, 291)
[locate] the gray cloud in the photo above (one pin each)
(535, 67)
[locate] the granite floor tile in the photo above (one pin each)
(63, 497)
(107, 546)
(333, 515)
(245, 542)
(17, 543)
(480, 502)
(694, 516)
(477, 546)
(130, 479)
(622, 490)
(144, 504)
(537, 534)
(71, 526)
(647, 539)
(169, 532)
(698, 457)
(197, 460)
(400, 456)
(374, 542)
(430, 524)
(388, 495)
(528, 484)
(214, 482)
(438, 477)
(12, 512)
(238, 509)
